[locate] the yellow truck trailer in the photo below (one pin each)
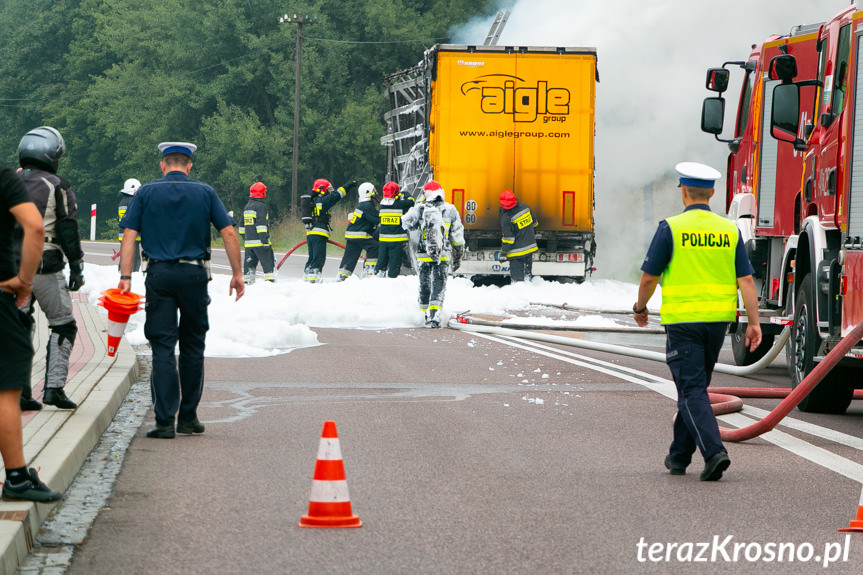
(481, 119)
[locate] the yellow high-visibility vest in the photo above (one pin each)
(700, 282)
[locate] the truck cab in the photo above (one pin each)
(762, 175)
(828, 259)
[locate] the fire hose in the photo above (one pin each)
(290, 251)
(723, 400)
(462, 322)
(801, 391)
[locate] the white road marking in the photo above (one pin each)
(804, 449)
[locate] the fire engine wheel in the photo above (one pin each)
(742, 355)
(834, 393)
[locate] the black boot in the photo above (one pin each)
(57, 398)
(27, 402)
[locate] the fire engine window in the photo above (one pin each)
(824, 99)
(743, 108)
(840, 82)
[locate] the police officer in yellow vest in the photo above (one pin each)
(702, 261)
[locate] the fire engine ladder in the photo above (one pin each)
(496, 28)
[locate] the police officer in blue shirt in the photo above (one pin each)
(703, 262)
(173, 216)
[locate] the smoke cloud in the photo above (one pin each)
(653, 58)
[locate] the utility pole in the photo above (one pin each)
(299, 21)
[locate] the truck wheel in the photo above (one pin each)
(742, 355)
(833, 394)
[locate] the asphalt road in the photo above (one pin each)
(468, 455)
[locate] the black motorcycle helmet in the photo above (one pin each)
(41, 147)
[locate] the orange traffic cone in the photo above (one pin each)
(330, 504)
(120, 306)
(856, 524)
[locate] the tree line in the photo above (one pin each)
(116, 77)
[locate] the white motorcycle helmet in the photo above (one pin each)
(366, 191)
(130, 188)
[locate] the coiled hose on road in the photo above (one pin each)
(724, 400)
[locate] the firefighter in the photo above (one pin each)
(316, 218)
(441, 241)
(360, 233)
(255, 232)
(518, 243)
(703, 262)
(130, 188)
(39, 155)
(392, 237)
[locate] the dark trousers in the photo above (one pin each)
(353, 249)
(691, 353)
(390, 258)
(521, 268)
(263, 254)
(317, 245)
(173, 287)
(432, 284)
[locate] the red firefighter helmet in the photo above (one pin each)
(258, 190)
(507, 199)
(321, 185)
(391, 189)
(433, 191)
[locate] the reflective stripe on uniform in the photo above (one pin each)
(527, 250)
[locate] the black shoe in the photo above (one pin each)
(674, 468)
(162, 432)
(30, 490)
(57, 398)
(190, 427)
(714, 467)
(29, 404)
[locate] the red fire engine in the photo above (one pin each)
(793, 217)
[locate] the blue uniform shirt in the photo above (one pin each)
(173, 216)
(662, 248)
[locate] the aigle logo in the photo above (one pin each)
(505, 94)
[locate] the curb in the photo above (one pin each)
(57, 441)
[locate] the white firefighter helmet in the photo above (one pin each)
(130, 188)
(366, 191)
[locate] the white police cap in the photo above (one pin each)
(697, 175)
(177, 147)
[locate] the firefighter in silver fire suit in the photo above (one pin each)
(441, 242)
(39, 154)
(130, 188)
(518, 243)
(255, 232)
(360, 234)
